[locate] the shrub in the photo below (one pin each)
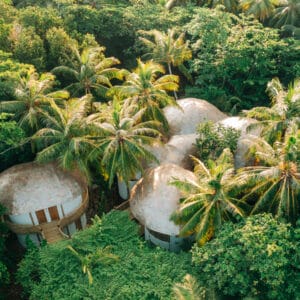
(259, 257)
(214, 138)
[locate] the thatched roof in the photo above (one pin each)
(29, 187)
(191, 111)
(153, 200)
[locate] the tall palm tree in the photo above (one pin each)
(261, 9)
(32, 96)
(144, 89)
(275, 183)
(287, 13)
(167, 48)
(121, 140)
(91, 72)
(207, 203)
(66, 137)
(283, 114)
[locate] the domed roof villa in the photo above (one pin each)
(153, 200)
(43, 201)
(190, 112)
(183, 121)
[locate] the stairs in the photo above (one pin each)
(51, 233)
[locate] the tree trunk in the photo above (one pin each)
(170, 72)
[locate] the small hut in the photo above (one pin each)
(43, 201)
(152, 202)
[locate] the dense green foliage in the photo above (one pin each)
(51, 51)
(206, 203)
(11, 137)
(10, 73)
(235, 58)
(4, 276)
(257, 258)
(213, 138)
(141, 272)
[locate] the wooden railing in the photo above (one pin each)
(55, 226)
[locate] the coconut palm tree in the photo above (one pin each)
(206, 203)
(287, 13)
(32, 96)
(167, 48)
(261, 9)
(66, 137)
(91, 72)
(121, 140)
(283, 114)
(275, 183)
(145, 89)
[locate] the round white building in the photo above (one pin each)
(153, 200)
(43, 201)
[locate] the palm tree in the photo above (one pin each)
(66, 137)
(32, 96)
(207, 203)
(91, 72)
(101, 256)
(168, 49)
(275, 183)
(283, 114)
(144, 89)
(121, 141)
(287, 13)
(261, 9)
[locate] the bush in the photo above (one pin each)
(259, 258)
(213, 138)
(141, 272)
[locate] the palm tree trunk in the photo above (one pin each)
(170, 72)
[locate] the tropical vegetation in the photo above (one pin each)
(87, 84)
(207, 203)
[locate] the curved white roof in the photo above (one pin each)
(245, 140)
(191, 111)
(30, 187)
(153, 200)
(177, 151)
(241, 124)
